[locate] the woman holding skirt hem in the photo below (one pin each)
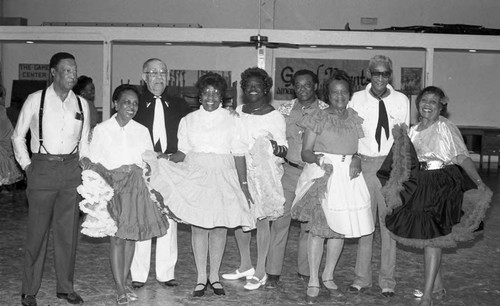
(331, 194)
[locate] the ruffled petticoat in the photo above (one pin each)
(134, 214)
(441, 209)
(264, 180)
(203, 190)
(9, 170)
(333, 205)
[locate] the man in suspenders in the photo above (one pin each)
(59, 125)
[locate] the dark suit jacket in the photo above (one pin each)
(177, 109)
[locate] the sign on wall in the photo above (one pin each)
(411, 80)
(34, 72)
(286, 67)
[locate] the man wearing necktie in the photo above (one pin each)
(161, 114)
(381, 107)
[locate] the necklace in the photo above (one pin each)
(253, 111)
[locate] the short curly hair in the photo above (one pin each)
(443, 99)
(212, 79)
(259, 73)
(337, 75)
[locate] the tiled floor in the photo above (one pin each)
(471, 273)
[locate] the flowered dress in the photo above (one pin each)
(333, 204)
(264, 168)
(433, 206)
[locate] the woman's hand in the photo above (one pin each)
(164, 156)
(355, 167)
(319, 159)
(481, 185)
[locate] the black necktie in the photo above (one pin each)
(383, 121)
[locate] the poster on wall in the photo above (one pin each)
(286, 67)
(411, 80)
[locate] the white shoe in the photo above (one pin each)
(237, 274)
(254, 286)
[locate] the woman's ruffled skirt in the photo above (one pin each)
(118, 203)
(203, 190)
(333, 205)
(264, 180)
(445, 208)
(9, 170)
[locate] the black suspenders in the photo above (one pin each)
(40, 118)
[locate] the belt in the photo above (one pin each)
(294, 164)
(372, 158)
(432, 165)
(59, 158)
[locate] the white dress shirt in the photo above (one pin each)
(61, 128)
(113, 145)
(398, 111)
(212, 132)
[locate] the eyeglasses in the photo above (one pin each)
(156, 73)
(383, 74)
(213, 94)
(340, 93)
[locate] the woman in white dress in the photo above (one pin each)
(208, 189)
(267, 147)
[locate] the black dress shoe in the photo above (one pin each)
(388, 294)
(313, 298)
(217, 291)
(303, 277)
(272, 281)
(28, 300)
(171, 283)
(72, 298)
(137, 285)
(354, 289)
(200, 292)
